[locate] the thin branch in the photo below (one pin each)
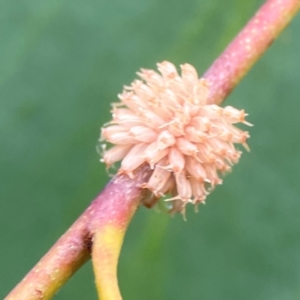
(249, 45)
(114, 207)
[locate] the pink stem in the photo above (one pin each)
(229, 68)
(115, 206)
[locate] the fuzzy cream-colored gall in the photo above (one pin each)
(164, 120)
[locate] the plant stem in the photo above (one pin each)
(100, 229)
(113, 210)
(108, 228)
(249, 45)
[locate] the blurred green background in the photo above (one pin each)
(61, 63)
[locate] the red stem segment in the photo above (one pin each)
(233, 64)
(102, 226)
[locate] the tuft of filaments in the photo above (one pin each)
(165, 120)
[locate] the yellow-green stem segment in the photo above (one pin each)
(115, 205)
(105, 254)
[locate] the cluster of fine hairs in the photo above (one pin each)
(165, 120)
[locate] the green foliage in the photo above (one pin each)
(62, 63)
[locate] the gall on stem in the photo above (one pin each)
(164, 119)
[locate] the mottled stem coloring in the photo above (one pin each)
(99, 231)
(249, 45)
